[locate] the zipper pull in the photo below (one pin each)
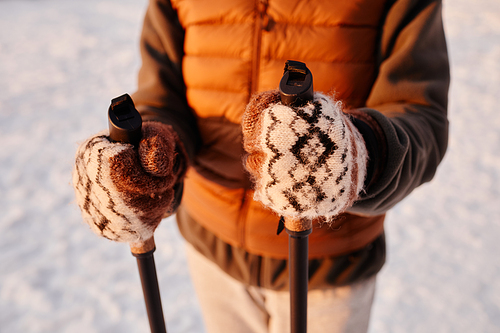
(281, 225)
(265, 20)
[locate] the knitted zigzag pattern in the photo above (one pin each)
(102, 206)
(312, 159)
(124, 193)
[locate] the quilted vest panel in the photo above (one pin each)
(236, 48)
(230, 43)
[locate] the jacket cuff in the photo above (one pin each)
(375, 142)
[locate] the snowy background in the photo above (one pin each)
(61, 61)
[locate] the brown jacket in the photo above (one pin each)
(387, 62)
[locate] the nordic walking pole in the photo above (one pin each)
(125, 125)
(296, 88)
(298, 263)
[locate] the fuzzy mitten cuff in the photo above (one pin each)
(306, 162)
(123, 192)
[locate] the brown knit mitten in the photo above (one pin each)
(306, 162)
(123, 192)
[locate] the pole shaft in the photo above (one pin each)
(149, 281)
(299, 263)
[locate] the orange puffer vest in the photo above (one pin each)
(234, 48)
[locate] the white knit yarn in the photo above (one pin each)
(315, 161)
(102, 207)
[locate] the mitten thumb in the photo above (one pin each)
(160, 152)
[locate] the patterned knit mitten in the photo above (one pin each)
(123, 192)
(306, 162)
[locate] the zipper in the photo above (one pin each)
(261, 22)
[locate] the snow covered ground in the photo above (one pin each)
(61, 61)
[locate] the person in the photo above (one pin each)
(384, 63)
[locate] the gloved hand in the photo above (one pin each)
(123, 192)
(306, 162)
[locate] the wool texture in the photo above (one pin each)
(124, 192)
(307, 162)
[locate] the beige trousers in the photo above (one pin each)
(229, 306)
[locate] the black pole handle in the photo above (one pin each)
(296, 85)
(125, 122)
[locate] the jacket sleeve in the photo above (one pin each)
(407, 106)
(161, 92)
